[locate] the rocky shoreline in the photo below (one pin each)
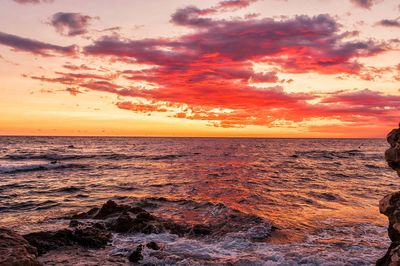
(390, 204)
(88, 239)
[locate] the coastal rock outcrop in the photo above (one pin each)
(390, 204)
(15, 250)
(392, 155)
(95, 229)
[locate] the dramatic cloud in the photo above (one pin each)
(32, 1)
(365, 3)
(70, 24)
(33, 46)
(209, 74)
(390, 23)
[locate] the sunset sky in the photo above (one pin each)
(262, 68)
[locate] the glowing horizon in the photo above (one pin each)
(234, 68)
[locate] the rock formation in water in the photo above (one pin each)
(94, 229)
(390, 204)
(15, 250)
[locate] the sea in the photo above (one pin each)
(321, 194)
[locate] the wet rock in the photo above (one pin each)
(200, 229)
(110, 208)
(85, 236)
(177, 229)
(122, 224)
(144, 217)
(15, 250)
(392, 155)
(392, 256)
(85, 215)
(136, 255)
(74, 223)
(45, 241)
(91, 237)
(390, 206)
(153, 245)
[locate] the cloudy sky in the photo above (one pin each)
(265, 68)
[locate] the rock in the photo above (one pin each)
(153, 245)
(200, 229)
(392, 155)
(109, 208)
(392, 256)
(74, 223)
(393, 137)
(15, 250)
(85, 215)
(136, 255)
(122, 224)
(91, 237)
(46, 241)
(144, 217)
(390, 204)
(85, 236)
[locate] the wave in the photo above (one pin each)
(37, 167)
(108, 156)
(323, 154)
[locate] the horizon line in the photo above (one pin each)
(156, 136)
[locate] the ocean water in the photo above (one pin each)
(322, 194)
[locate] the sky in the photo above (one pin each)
(234, 68)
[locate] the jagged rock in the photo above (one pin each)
(45, 241)
(109, 208)
(122, 224)
(392, 256)
(200, 229)
(392, 155)
(136, 255)
(91, 237)
(390, 206)
(85, 236)
(15, 250)
(153, 245)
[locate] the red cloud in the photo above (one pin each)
(208, 75)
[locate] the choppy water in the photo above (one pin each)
(322, 193)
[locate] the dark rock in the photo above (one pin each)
(85, 215)
(15, 250)
(390, 206)
(152, 229)
(200, 229)
(110, 208)
(144, 217)
(177, 229)
(122, 224)
(392, 256)
(74, 223)
(85, 236)
(91, 237)
(392, 155)
(136, 255)
(153, 245)
(46, 241)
